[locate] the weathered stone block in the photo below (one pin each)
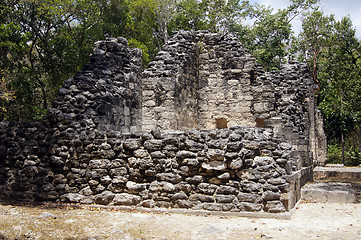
(126, 199)
(269, 195)
(185, 187)
(190, 161)
(153, 144)
(181, 203)
(71, 197)
(217, 144)
(131, 144)
(212, 206)
(141, 153)
(227, 190)
(250, 207)
(207, 188)
(231, 155)
(193, 146)
(262, 161)
(276, 181)
(86, 191)
(179, 195)
(251, 144)
(234, 146)
(186, 154)
(201, 197)
(149, 203)
(215, 155)
(275, 207)
(236, 164)
(224, 198)
(169, 177)
(122, 171)
(157, 154)
(214, 165)
(96, 173)
(100, 164)
(248, 186)
(135, 188)
(161, 187)
(249, 197)
(105, 197)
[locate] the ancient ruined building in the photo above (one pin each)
(202, 128)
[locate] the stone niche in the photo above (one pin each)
(202, 128)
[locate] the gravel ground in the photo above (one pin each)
(309, 221)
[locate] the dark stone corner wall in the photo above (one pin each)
(94, 145)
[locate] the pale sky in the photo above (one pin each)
(336, 7)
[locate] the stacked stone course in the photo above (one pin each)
(120, 136)
(236, 169)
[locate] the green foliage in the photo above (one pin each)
(352, 155)
(6, 94)
(214, 16)
(333, 52)
(268, 36)
(142, 23)
(334, 154)
(133, 43)
(271, 34)
(313, 41)
(189, 16)
(340, 80)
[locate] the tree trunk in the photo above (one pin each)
(45, 100)
(343, 148)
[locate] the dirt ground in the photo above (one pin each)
(309, 221)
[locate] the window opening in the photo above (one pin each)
(221, 123)
(260, 122)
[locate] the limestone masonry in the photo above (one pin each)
(202, 128)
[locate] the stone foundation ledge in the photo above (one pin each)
(331, 192)
(283, 215)
(337, 172)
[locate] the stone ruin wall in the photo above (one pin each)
(118, 136)
(201, 80)
(236, 169)
(197, 79)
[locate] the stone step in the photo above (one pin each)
(330, 192)
(337, 171)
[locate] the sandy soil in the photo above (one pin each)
(309, 221)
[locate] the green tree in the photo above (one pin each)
(211, 15)
(165, 13)
(314, 39)
(53, 39)
(6, 95)
(341, 81)
(271, 33)
(190, 15)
